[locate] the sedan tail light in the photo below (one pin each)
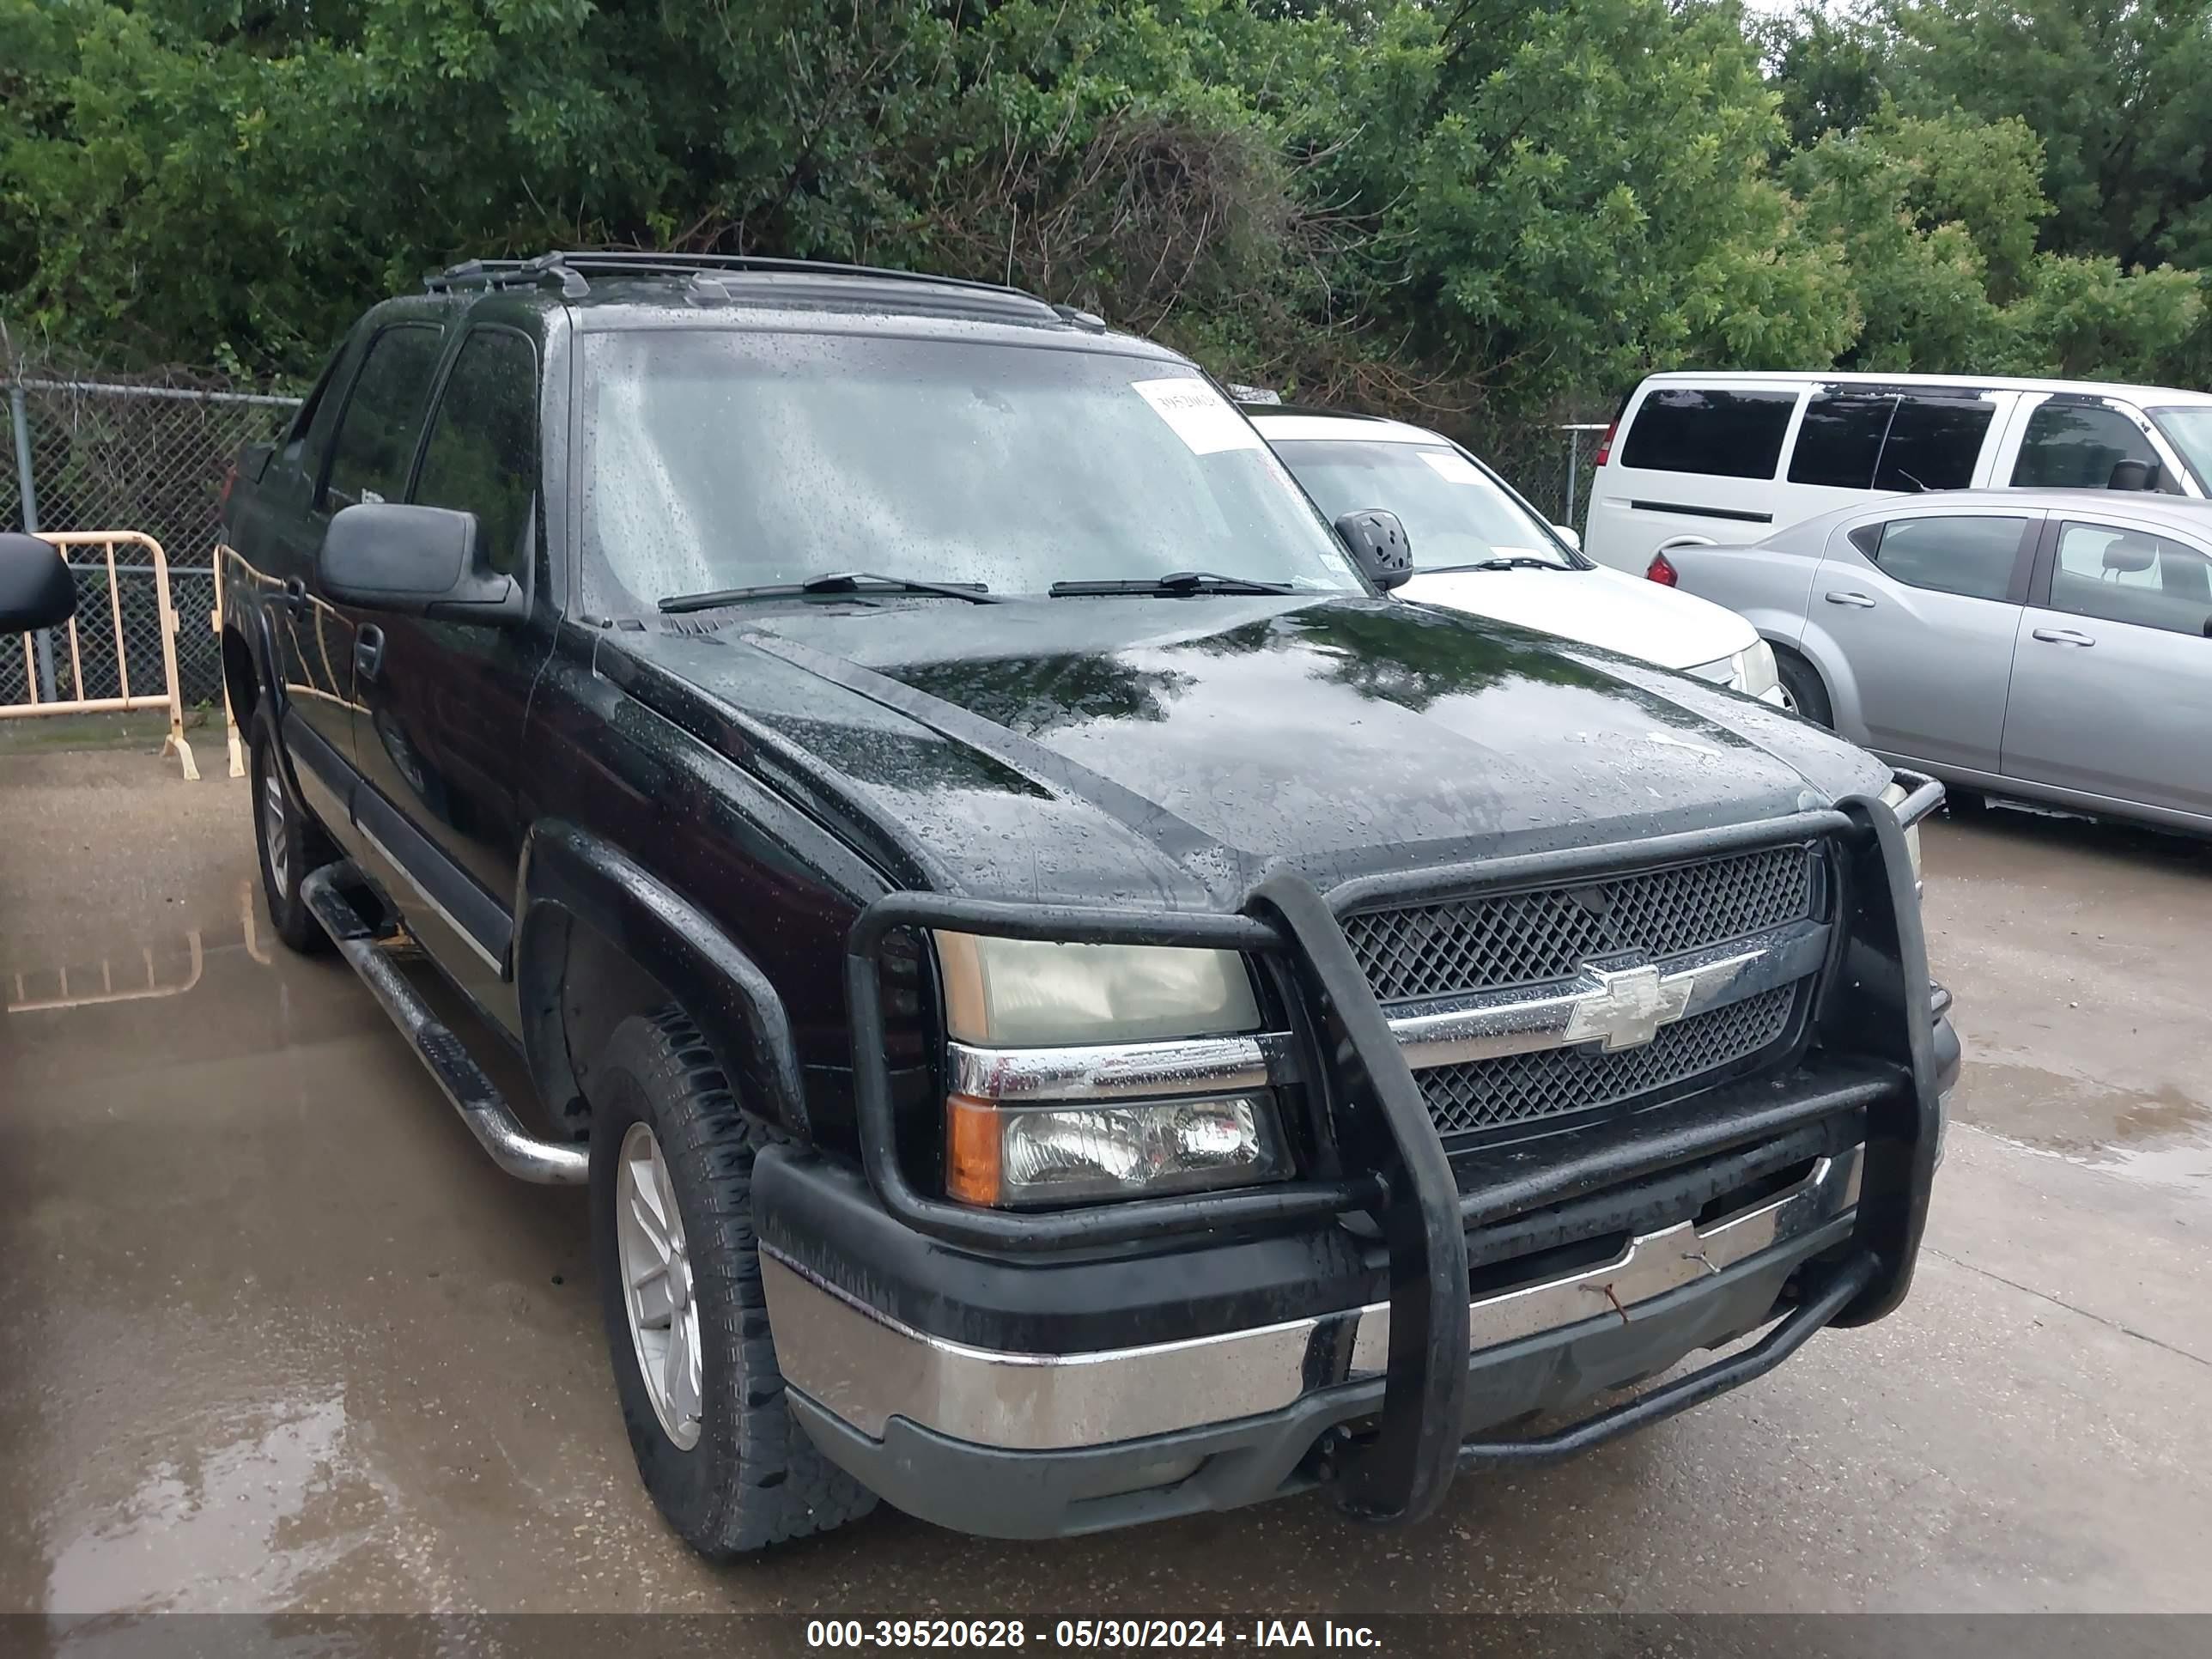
(1661, 572)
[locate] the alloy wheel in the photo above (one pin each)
(273, 835)
(656, 1269)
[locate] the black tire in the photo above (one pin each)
(1964, 803)
(753, 1478)
(1800, 683)
(305, 844)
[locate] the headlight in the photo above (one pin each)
(1754, 672)
(1025, 1156)
(1750, 671)
(1005, 993)
(1013, 994)
(1894, 797)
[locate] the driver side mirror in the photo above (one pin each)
(37, 589)
(415, 561)
(1570, 535)
(1378, 545)
(2134, 475)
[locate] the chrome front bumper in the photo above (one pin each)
(866, 1369)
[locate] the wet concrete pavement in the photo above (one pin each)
(275, 1335)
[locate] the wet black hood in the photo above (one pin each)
(1151, 750)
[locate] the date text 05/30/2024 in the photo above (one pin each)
(1087, 1633)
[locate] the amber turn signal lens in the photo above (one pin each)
(972, 1142)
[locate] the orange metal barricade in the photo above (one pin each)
(65, 542)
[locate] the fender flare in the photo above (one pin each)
(565, 871)
(259, 634)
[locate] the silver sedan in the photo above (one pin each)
(2055, 645)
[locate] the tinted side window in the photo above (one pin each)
(2075, 447)
(295, 436)
(2131, 576)
(1728, 435)
(1840, 441)
(375, 438)
(1933, 443)
(482, 457)
(1977, 557)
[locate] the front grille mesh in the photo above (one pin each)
(1488, 1094)
(1509, 940)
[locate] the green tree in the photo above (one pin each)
(1469, 210)
(1571, 194)
(1830, 70)
(2120, 92)
(1936, 221)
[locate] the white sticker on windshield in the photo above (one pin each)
(1205, 420)
(1457, 469)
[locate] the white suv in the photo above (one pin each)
(1478, 546)
(1703, 460)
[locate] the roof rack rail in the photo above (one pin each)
(507, 273)
(570, 268)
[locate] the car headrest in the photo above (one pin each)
(2131, 553)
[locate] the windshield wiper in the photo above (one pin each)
(835, 581)
(1519, 561)
(1175, 582)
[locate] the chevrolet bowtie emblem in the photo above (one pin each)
(1628, 1006)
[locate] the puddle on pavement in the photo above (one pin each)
(242, 1522)
(40, 974)
(2020, 841)
(2162, 1135)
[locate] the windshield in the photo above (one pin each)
(727, 459)
(2189, 431)
(1455, 511)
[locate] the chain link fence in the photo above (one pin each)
(1549, 462)
(88, 453)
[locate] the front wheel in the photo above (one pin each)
(680, 1293)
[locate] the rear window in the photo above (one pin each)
(1840, 441)
(375, 440)
(1934, 443)
(1725, 434)
(1977, 558)
(1859, 440)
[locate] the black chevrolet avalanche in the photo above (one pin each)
(1072, 1004)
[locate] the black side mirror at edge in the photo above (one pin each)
(36, 588)
(1379, 546)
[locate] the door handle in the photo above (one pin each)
(1858, 600)
(367, 651)
(2061, 636)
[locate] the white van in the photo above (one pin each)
(1703, 460)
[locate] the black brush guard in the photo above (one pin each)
(1879, 1040)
